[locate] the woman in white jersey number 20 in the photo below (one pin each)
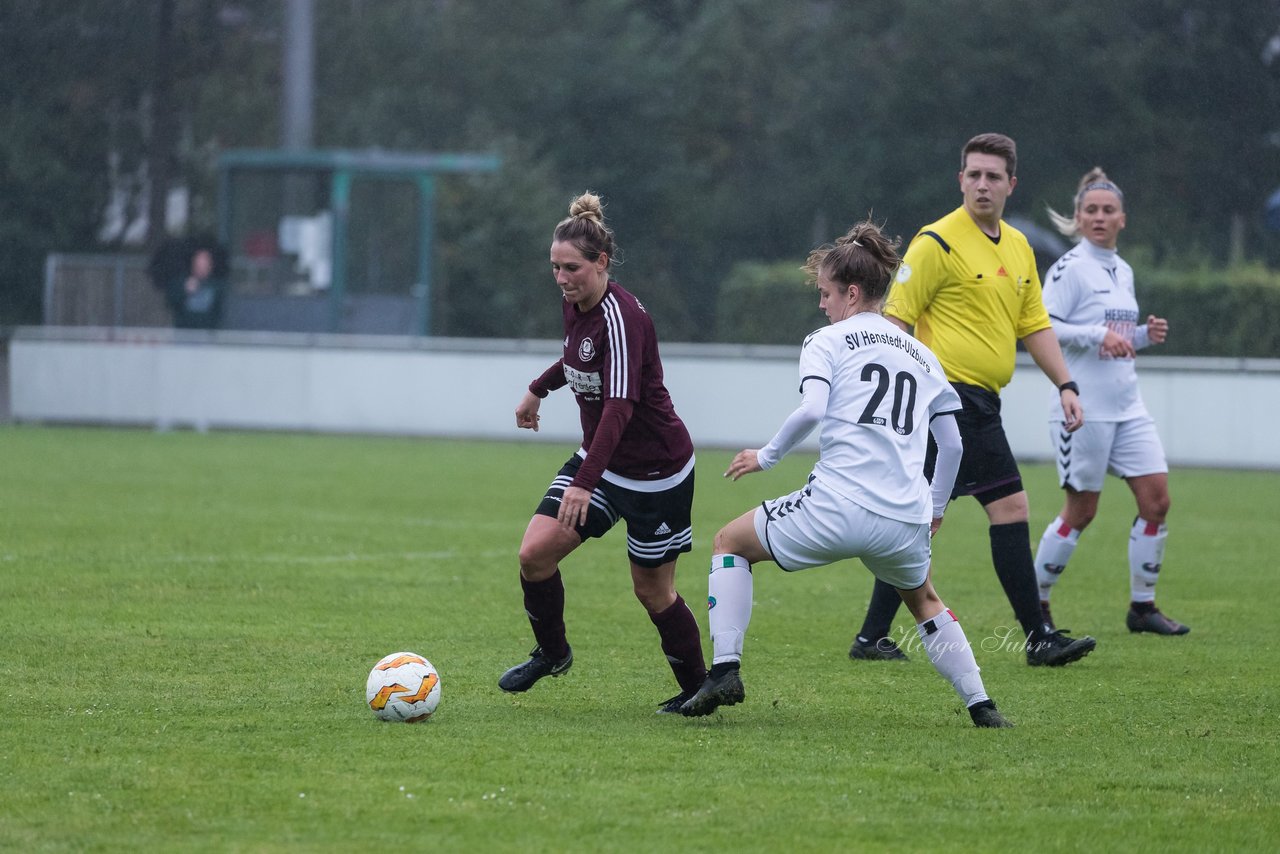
(1090, 298)
(877, 394)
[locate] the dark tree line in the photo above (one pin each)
(718, 132)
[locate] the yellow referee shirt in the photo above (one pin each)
(969, 297)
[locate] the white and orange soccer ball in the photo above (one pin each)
(403, 686)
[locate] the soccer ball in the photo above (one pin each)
(403, 687)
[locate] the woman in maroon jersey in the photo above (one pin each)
(635, 463)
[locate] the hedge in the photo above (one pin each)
(1228, 311)
(1224, 311)
(767, 304)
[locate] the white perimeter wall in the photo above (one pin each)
(1211, 412)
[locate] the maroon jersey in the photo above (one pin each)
(611, 354)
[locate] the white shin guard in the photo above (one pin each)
(1056, 547)
(951, 655)
(729, 606)
(1146, 555)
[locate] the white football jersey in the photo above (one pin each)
(1088, 291)
(885, 386)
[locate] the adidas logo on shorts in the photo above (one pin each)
(662, 529)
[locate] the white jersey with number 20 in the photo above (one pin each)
(885, 386)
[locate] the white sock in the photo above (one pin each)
(729, 606)
(1056, 545)
(949, 650)
(1146, 553)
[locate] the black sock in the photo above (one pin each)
(1142, 607)
(880, 613)
(682, 644)
(1016, 569)
(718, 670)
(544, 605)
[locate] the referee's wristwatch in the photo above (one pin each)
(1069, 385)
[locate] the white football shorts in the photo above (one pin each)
(814, 527)
(1125, 448)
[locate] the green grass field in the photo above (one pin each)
(188, 621)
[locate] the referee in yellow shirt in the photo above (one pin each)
(969, 286)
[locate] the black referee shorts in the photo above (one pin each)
(988, 470)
